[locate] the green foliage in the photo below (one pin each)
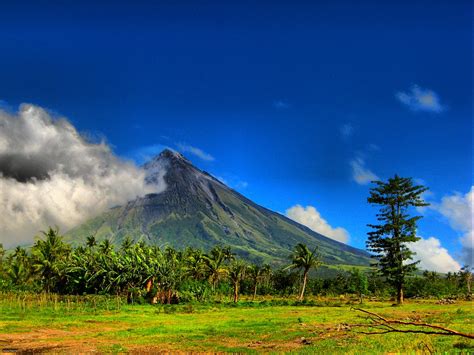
(142, 273)
(304, 259)
(358, 283)
(48, 256)
(396, 228)
(258, 274)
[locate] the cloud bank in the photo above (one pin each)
(458, 210)
(418, 99)
(51, 175)
(311, 218)
(433, 256)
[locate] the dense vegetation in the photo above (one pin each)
(145, 273)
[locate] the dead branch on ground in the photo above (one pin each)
(389, 326)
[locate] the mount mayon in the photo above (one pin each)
(200, 211)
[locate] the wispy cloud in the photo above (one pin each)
(346, 130)
(146, 153)
(281, 104)
(233, 182)
(241, 184)
(360, 173)
(310, 217)
(419, 99)
(373, 147)
(186, 148)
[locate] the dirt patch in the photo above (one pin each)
(47, 340)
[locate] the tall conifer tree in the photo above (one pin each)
(396, 227)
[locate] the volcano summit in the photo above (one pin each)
(198, 210)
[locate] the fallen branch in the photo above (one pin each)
(386, 326)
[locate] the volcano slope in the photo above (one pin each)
(198, 210)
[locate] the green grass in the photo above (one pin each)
(105, 324)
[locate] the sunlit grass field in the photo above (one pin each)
(98, 323)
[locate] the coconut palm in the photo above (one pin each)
(304, 259)
(2, 254)
(18, 270)
(47, 257)
(106, 247)
(195, 264)
(215, 264)
(91, 241)
(236, 274)
(257, 273)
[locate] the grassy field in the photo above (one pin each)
(41, 323)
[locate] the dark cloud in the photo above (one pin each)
(51, 175)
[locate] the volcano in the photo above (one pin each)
(200, 211)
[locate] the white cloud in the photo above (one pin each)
(281, 104)
(311, 218)
(433, 256)
(458, 210)
(347, 130)
(186, 148)
(418, 99)
(360, 173)
(51, 175)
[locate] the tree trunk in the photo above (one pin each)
(254, 292)
(236, 292)
(305, 278)
(400, 294)
(149, 284)
(469, 281)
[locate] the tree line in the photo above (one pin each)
(143, 272)
(147, 273)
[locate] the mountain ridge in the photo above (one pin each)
(198, 210)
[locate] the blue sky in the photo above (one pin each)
(289, 102)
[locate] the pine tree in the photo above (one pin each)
(388, 239)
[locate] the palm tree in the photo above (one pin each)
(215, 264)
(236, 274)
(106, 247)
(2, 254)
(195, 264)
(126, 243)
(91, 241)
(304, 259)
(18, 270)
(257, 273)
(169, 272)
(47, 255)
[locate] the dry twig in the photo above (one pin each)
(387, 326)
